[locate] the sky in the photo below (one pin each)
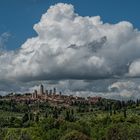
(19, 16)
(83, 48)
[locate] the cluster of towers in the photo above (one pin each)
(43, 92)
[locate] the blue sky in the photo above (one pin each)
(18, 16)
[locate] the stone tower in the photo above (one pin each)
(54, 91)
(41, 90)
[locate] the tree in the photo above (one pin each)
(46, 114)
(137, 102)
(37, 118)
(55, 113)
(110, 109)
(67, 117)
(124, 112)
(25, 118)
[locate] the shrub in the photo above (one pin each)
(75, 135)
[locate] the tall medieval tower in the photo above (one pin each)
(41, 92)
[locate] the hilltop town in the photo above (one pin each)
(52, 96)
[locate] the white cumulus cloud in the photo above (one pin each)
(69, 46)
(125, 90)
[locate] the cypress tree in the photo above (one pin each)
(124, 112)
